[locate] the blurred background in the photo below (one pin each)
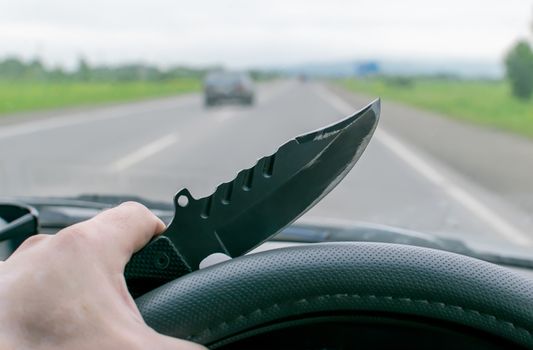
(145, 97)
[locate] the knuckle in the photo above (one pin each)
(136, 207)
(32, 240)
(74, 236)
(37, 238)
(135, 211)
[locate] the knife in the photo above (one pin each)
(258, 203)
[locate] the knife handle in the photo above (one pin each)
(157, 263)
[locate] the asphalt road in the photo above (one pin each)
(154, 148)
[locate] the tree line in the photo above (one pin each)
(13, 68)
(519, 68)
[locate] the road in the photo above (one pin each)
(153, 148)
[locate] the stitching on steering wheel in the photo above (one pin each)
(492, 318)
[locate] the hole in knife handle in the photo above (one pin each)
(207, 207)
(228, 193)
(248, 179)
(183, 201)
(268, 166)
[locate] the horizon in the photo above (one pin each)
(340, 68)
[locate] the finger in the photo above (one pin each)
(128, 227)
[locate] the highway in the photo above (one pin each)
(153, 148)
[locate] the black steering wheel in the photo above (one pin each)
(346, 295)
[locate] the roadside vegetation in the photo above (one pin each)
(519, 66)
(17, 96)
(30, 85)
(27, 86)
(489, 103)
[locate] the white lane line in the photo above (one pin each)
(104, 113)
(452, 189)
(224, 115)
(144, 152)
(275, 91)
(334, 100)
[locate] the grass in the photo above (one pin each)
(20, 96)
(488, 103)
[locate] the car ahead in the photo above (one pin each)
(228, 86)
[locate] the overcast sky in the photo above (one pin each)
(245, 33)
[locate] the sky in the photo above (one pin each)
(245, 33)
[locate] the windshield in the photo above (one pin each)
(145, 98)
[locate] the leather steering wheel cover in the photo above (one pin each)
(226, 299)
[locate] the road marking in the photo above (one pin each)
(224, 115)
(273, 92)
(144, 152)
(89, 116)
(334, 100)
(452, 189)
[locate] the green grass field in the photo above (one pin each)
(28, 96)
(481, 102)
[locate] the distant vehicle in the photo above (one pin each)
(228, 86)
(303, 78)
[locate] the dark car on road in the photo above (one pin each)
(228, 86)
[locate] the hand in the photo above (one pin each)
(67, 291)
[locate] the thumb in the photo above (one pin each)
(127, 227)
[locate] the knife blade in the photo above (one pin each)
(258, 203)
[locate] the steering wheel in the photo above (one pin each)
(345, 295)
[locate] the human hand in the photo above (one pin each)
(67, 291)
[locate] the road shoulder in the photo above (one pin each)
(499, 161)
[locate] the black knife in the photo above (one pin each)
(257, 204)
